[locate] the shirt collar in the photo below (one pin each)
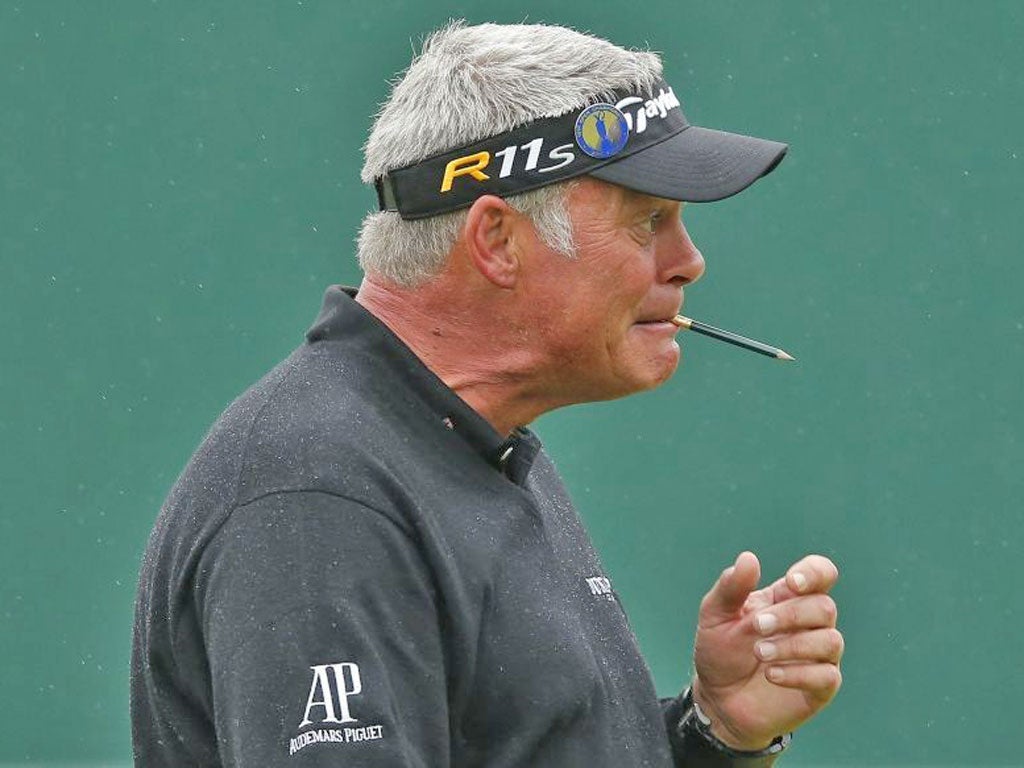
(341, 317)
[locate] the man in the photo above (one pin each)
(370, 561)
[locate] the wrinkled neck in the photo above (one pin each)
(468, 341)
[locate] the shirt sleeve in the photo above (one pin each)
(321, 628)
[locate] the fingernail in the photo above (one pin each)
(766, 650)
(766, 623)
(800, 580)
(775, 674)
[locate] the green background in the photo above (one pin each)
(179, 181)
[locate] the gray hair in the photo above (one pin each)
(484, 80)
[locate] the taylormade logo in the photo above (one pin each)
(637, 111)
(600, 586)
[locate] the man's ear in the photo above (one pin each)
(490, 241)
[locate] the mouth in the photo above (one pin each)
(665, 319)
(661, 314)
(660, 326)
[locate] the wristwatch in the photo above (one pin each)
(694, 742)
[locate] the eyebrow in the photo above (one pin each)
(637, 202)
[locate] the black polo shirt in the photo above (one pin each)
(356, 569)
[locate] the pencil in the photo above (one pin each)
(730, 338)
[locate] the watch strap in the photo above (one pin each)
(695, 746)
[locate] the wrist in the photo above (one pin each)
(720, 726)
(696, 729)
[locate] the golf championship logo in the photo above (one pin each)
(601, 131)
(333, 692)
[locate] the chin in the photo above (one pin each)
(665, 373)
(654, 371)
(665, 364)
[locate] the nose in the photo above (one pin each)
(681, 261)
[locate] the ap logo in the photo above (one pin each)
(332, 686)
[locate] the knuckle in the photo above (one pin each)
(837, 644)
(836, 678)
(816, 560)
(829, 608)
(827, 566)
(824, 567)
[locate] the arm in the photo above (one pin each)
(322, 636)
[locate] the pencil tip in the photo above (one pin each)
(784, 356)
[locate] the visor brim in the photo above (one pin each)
(697, 165)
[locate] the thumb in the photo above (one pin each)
(733, 587)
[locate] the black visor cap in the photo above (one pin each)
(697, 165)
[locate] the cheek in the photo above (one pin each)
(624, 276)
(627, 289)
(592, 301)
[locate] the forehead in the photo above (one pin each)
(590, 196)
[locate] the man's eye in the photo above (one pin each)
(652, 222)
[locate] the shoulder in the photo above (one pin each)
(313, 423)
(302, 427)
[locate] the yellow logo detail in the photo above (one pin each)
(471, 165)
